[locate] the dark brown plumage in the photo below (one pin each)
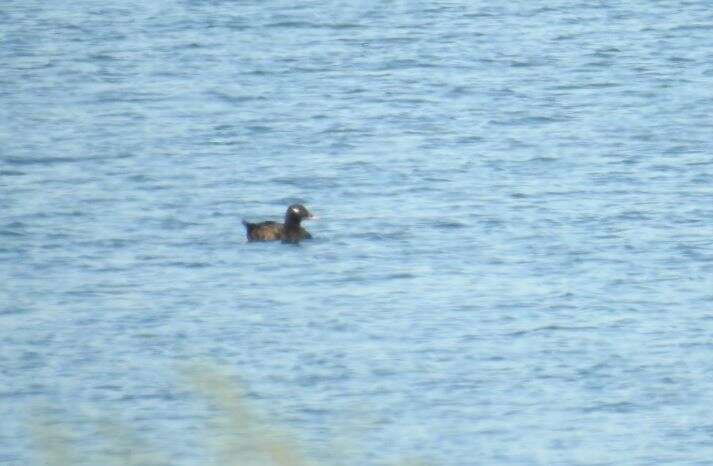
(289, 232)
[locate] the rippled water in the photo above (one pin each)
(513, 264)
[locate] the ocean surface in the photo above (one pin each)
(513, 263)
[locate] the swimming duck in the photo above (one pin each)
(289, 232)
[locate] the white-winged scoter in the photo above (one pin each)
(289, 232)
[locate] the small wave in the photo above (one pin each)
(402, 64)
(13, 311)
(127, 97)
(446, 225)
(564, 37)
(550, 328)
(41, 160)
(258, 128)
(102, 57)
(110, 243)
(235, 99)
(337, 129)
(576, 87)
(310, 25)
(258, 73)
(543, 159)
(186, 265)
(291, 25)
(460, 91)
(692, 27)
(176, 224)
(11, 234)
(399, 40)
(703, 178)
(633, 215)
(303, 181)
(399, 276)
(530, 120)
(380, 235)
(481, 14)
(14, 226)
(344, 26)
(470, 139)
(617, 407)
(11, 173)
(525, 64)
(606, 50)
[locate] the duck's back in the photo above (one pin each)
(264, 231)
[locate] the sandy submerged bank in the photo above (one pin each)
(233, 433)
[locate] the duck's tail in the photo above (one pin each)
(249, 227)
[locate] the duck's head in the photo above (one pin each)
(296, 213)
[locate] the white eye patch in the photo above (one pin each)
(296, 210)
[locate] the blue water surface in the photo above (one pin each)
(513, 264)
